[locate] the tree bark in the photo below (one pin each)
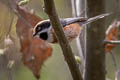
(95, 56)
(67, 52)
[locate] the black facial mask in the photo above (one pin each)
(44, 36)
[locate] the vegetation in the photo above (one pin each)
(21, 58)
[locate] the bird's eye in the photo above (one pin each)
(38, 29)
(42, 26)
(44, 36)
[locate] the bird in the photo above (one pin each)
(71, 26)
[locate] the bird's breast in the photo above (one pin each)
(54, 36)
(72, 31)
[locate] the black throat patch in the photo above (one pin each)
(44, 36)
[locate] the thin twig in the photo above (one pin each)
(9, 74)
(14, 7)
(67, 52)
(117, 74)
(75, 14)
(76, 11)
(114, 60)
(8, 70)
(117, 71)
(112, 41)
(10, 25)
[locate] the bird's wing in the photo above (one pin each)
(67, 21)
(81, 20)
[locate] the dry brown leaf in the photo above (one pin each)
(112, 34)
(35, 51)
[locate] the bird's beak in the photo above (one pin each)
(34, 34)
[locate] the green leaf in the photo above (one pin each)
(77, 58)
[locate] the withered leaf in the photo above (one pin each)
(34, 50)
(112, 34)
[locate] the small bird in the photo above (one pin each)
(71, 26)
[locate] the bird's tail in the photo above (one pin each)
(92, 19)
(83, 21)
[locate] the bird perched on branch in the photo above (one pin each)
(71, 26)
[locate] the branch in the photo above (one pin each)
(112, 42)
(117, 74)
(67, 52)
(114, 61)
(117, 71)
(8, 69)
(79, 43)
(95, 54)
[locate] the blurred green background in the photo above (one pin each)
(55, 68)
